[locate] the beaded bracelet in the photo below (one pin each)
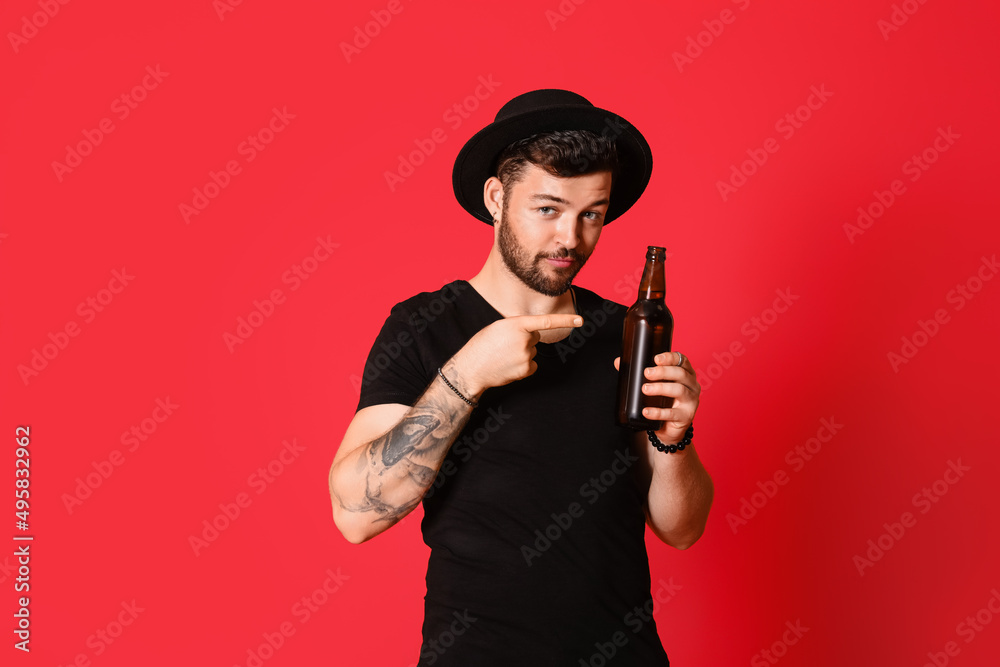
(472, 403)
(679, 447)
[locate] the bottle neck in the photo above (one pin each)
(653, 284)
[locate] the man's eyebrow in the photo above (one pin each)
(559, 200)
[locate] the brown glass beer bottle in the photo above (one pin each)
(649, 327)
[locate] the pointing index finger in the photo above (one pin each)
(555, 321)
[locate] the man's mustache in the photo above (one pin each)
(565, 254)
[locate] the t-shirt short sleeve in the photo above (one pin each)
(394, 371)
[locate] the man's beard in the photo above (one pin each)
(532, 271)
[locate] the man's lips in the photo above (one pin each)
(561, 262)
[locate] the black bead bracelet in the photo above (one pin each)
(679, 447)
(460, 394)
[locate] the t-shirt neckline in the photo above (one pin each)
(572, 290)
(499, 315)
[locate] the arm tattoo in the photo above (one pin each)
(399, 466)
(403, 439)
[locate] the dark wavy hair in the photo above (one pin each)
(562, 153)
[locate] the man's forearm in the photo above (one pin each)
(380, 482)
(679, 499)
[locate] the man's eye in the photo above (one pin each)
(545, 209)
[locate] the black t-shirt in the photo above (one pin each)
(535, 521)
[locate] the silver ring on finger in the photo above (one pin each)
(680, 358)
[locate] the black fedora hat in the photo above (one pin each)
(549, 110)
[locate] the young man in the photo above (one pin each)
(498, 414)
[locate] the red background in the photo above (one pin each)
(323, 176)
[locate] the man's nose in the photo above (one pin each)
(568, 232)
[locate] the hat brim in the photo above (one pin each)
(476, 162)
